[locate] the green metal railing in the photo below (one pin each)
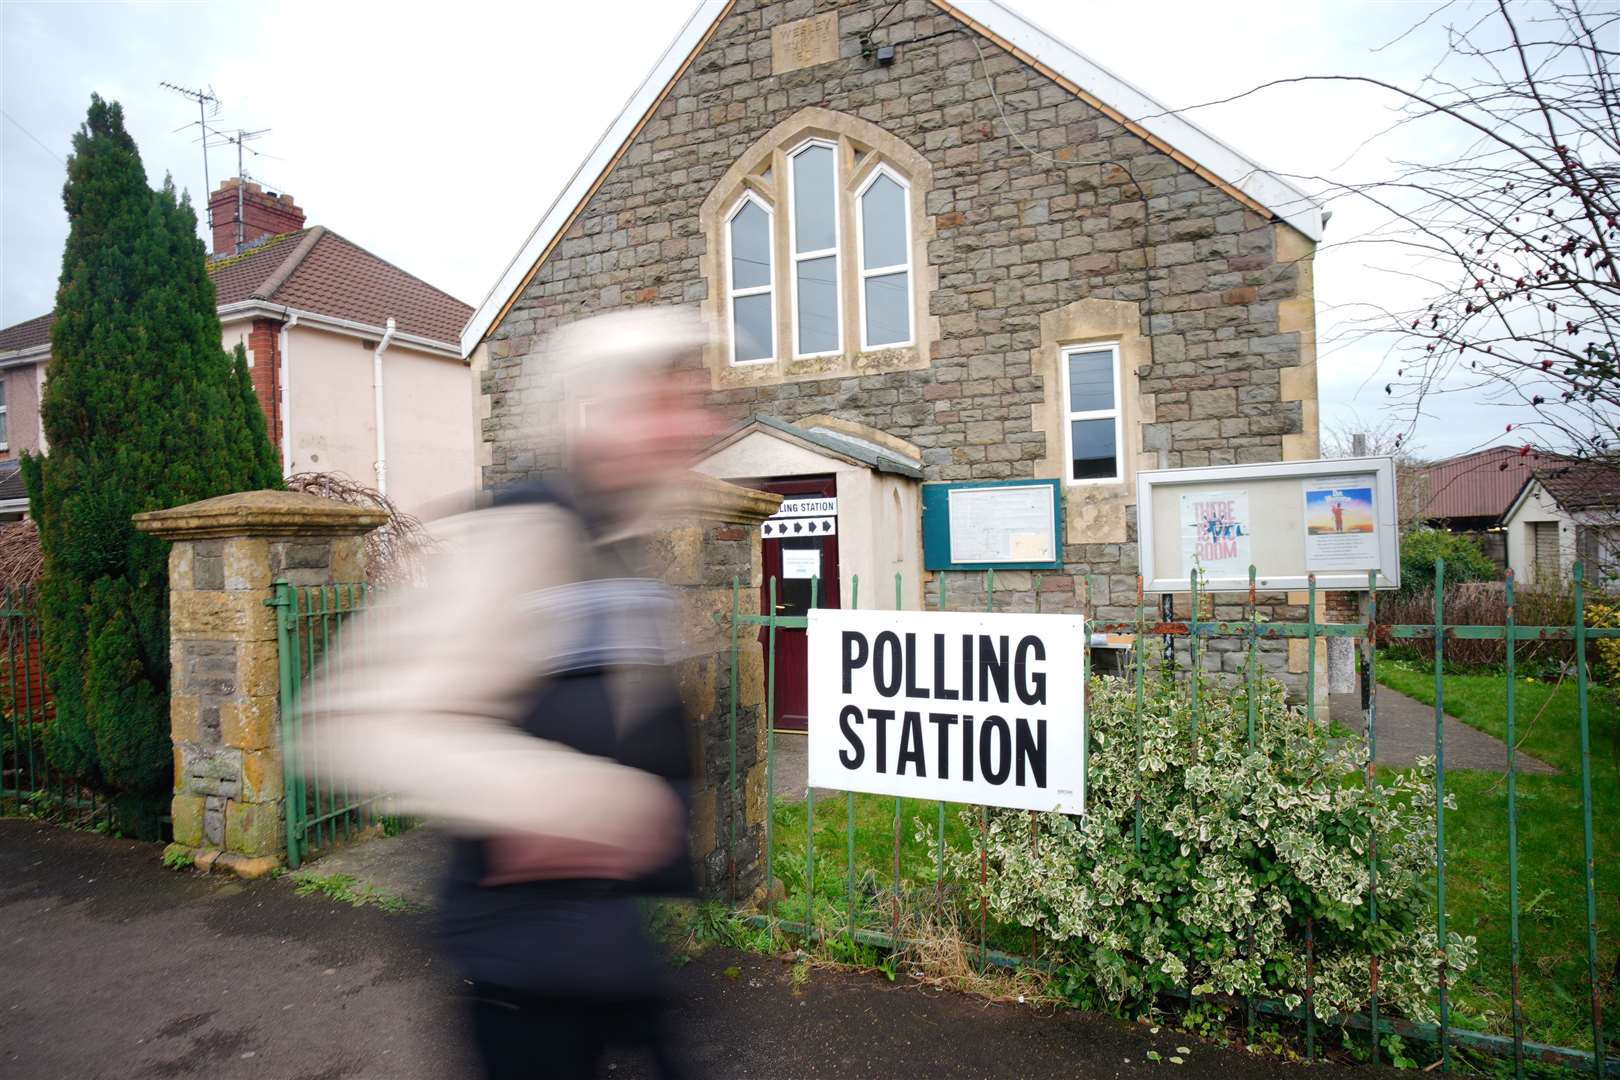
(311, 623)
(26, 775)
(1194, 633)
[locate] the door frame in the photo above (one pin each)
(829, 593)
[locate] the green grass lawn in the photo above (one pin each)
(1554, 984)
(1554, 988)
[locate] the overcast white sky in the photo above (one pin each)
(436, 136)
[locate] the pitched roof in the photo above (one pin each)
(237, 277)
(339, 278)
(1582, 485)
(313, 270)
(1483, 484)
(1169, 131)
(27, 335)
(859, 450)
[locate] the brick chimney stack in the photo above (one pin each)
(264, 214)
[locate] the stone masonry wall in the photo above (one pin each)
(225, 678)
(700, 555)
(701, 561)
(1015, 235)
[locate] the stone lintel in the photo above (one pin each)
(260, 513)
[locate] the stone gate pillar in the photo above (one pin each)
(224, 680)
(708, 540)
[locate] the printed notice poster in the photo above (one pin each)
(1002, 524)
(1341, 524)
(953, 705)
(1215, 530)
(801, 562)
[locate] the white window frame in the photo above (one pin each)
(5, 414)
(732, 292)
(863, 271)
(1117, 414)
(796, 256)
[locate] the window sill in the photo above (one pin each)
(729, 373)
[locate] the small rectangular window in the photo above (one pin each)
(5, 437)
(1092, 427)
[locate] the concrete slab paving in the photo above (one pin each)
(405, 866)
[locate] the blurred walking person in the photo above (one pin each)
(521, 699)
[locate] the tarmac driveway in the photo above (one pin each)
(115, 967)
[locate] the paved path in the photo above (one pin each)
(1406, 732)
(117, 968)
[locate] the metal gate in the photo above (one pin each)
(26, 777)
(311, 621)
(1192, 637)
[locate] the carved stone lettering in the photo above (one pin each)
(804, 43)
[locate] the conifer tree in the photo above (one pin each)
(143, 409)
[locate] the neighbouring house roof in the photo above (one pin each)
(1582, 486)
(315, 271)
(334, 276)
(1169, 131)
(1481, 485)
(26, 335)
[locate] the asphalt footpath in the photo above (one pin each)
(112, 966)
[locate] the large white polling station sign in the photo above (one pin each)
(957, 706)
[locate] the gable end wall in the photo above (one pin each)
(1014, 238)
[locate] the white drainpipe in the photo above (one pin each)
(286, 396)
(377, 390)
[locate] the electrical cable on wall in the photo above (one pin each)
(1145, 247)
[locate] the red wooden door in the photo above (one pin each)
(793, 560)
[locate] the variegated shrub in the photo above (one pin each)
(1202, 856)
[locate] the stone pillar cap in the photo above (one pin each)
(709, 499)
(260, 513)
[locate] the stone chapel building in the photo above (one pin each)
(938, 245)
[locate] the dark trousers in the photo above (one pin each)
(529, 1037)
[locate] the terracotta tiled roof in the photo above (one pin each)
(339, 278)
(25, 335)
(1483, 484)
(238, 277)
(314, 270)
(1582, 485)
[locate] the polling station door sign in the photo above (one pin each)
(965, 707)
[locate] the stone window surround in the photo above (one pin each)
(1115, 413)
(1094, 512)
(768, 156)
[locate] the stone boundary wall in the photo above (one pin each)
(224, 684)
